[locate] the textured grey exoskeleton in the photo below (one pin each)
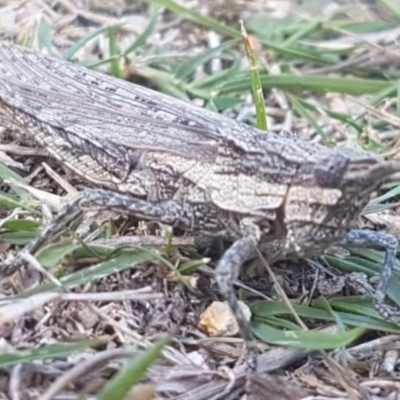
(162, 159)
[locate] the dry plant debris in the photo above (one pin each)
(127, 309)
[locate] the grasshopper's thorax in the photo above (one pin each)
(326, 199)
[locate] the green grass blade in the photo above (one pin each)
(314, 340)
(258, 96)
(114, 54)
(352, 86)
(297, 105)
(189, 66)
(131, 373)
(195, 17)
(70, 52)
(43, 353)
(126, 259)
(142, 38)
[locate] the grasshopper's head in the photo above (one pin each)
(327, 196)
(355, 175)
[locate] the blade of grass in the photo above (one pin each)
(10, 203)
(17, 225)
(126, 259)
(189, 66)
(391, 8)
(42, 353)
(358, 264)
(142, 39)
(70, 52)
(256, 86)
(195, 17)
(114, 54)
(131, 373)
(44, 35)
(314, 340)
(305, 30)
(391, 194)
(7, 174)
(210, 82)
(307, 116)
(353, 86)
(263, 310)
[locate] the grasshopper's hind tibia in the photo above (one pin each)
(167, 212)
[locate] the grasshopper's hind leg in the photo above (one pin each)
(167, 212)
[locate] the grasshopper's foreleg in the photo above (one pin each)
(227, 272)
(365, 238)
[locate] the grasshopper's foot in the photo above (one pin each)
(8, 267)
(252, 357)
(251, 367)
(365, 238)
(387, 312)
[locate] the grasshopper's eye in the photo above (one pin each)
(331, 171)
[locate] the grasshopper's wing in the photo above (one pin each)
(90, 104)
